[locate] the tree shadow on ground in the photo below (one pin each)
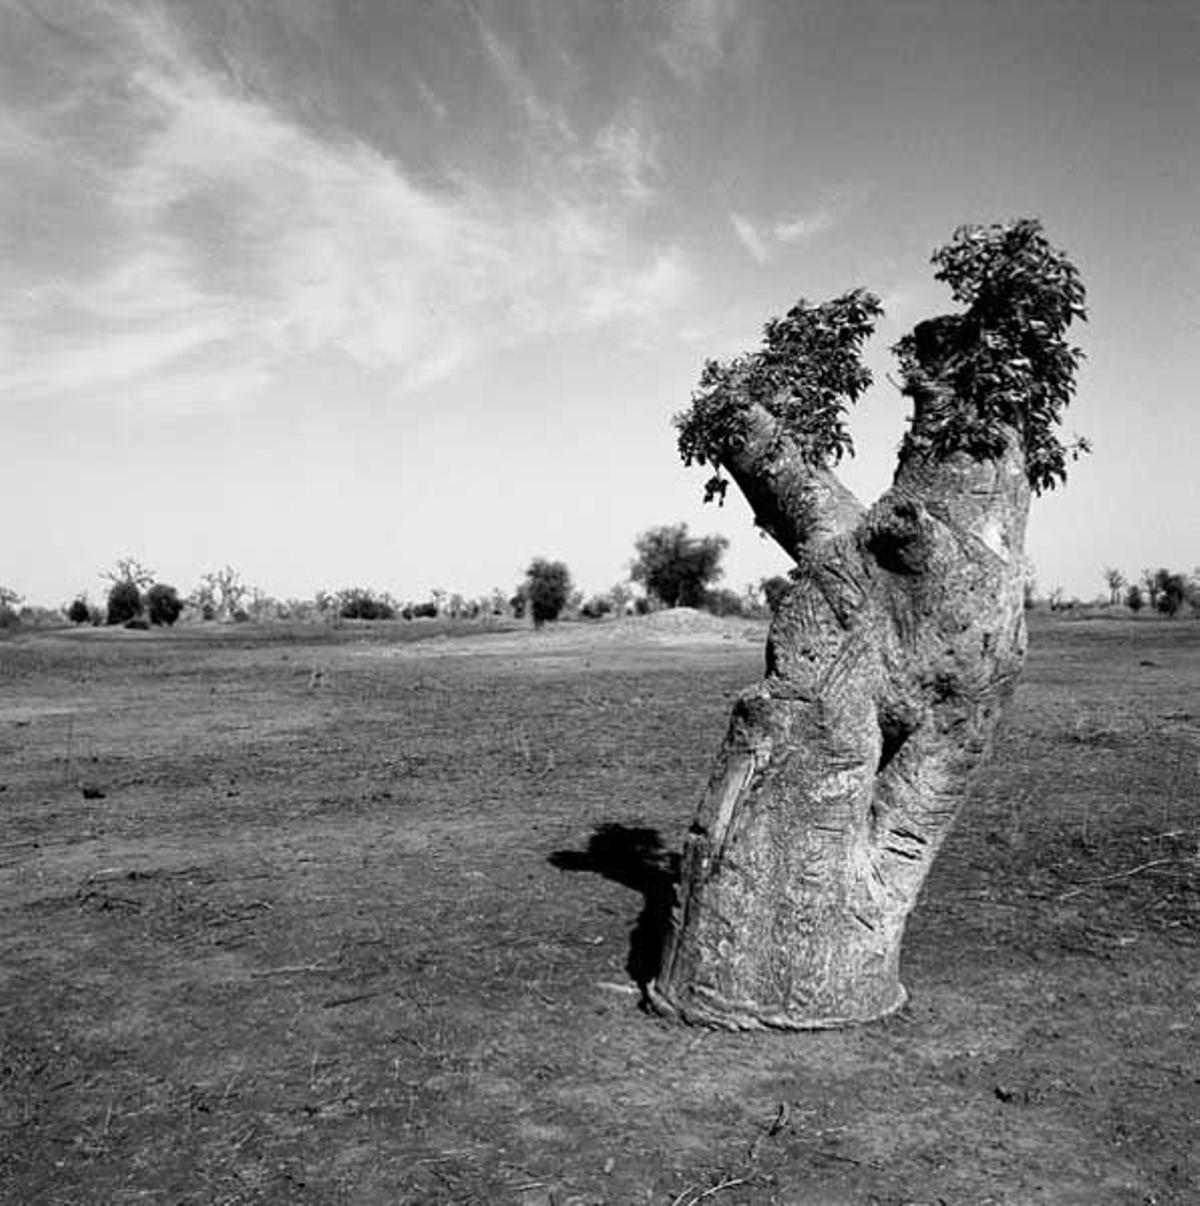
(633, 857)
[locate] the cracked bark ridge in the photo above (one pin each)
(888, 668)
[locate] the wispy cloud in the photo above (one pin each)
(234, 241)
(800, 228)
(761, 239)
(623, 156)
(750, 238)
(431, 100)
(520, 88)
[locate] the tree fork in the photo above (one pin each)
(842, 772)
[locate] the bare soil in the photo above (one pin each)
(333, 916)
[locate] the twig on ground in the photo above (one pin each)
(1104, 879)
(729, 1183)
(824, 1155)
(779, 1122)
(358, 996)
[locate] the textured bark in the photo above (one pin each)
(888, 667)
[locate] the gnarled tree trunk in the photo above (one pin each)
(888, 667)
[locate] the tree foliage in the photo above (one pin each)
(1171, 592)
(1115, 581)
(547, 588)
(359, 603)
(163, 604)
(1151, 584)
(675, 567)
(124, 602)
(1003, 365)
(805, 374)
(221, 593)
(10, 601)
(775, 589)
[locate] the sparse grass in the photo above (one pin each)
(368, 938)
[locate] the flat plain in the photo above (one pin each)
(336, 915)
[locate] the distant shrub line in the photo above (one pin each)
(673, 568)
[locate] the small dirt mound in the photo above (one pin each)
(686, 619)
(686, 624)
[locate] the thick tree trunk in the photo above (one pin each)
(888, 667)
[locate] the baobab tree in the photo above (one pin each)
(894, 652)
(220, 593)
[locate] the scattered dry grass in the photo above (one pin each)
(345, 920)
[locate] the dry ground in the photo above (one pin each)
(316, 916)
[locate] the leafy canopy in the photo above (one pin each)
(124, 602)
(548, 588)
(805, 373)
(163, 604)
(675, 567)
(1001, 366)
(1004, 364)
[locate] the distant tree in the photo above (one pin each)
(221, 594)
(124, 602)
(547, 588)
(326, 604)
(1172, 592)
(620, 594)
(1134, 599)
(163, 604)
(775, 590)
(1151, 584)
(358, 603)
(78, 611)
(1115, 580)
(676, 568)
(596, 608)
(10, 601)
(263, 607)
(129, 570)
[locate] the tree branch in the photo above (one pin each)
(798, 504)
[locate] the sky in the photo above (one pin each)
(402, 295)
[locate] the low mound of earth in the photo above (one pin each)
(675, 626)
